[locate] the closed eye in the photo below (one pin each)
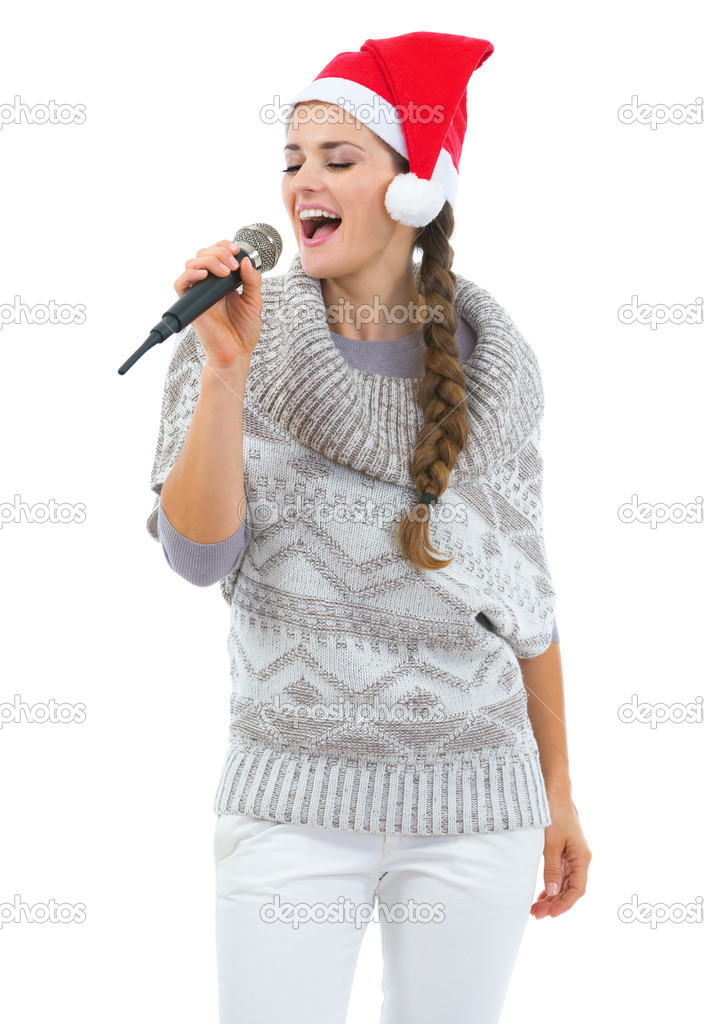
(289, 170)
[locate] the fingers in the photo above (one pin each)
(574, 890)
(553, 906)
(572, 887)
(219, 259)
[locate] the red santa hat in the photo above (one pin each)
(411, 90)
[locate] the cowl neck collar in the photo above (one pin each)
(370, 422)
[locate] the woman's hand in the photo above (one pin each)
(567, 859)
(230, 329)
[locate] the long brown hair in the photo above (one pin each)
(441, 394)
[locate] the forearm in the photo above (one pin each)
(203, 495)
(542, 677)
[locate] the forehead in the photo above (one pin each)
(327, 122)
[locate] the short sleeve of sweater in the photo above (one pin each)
(523, 474)
(555, 639)
(201, 564)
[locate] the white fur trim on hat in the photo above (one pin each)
(414, 201)
(363, 103)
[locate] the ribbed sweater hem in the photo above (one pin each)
(473, 795)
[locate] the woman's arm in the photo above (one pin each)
(566, 853)
(203, 496)
(542, 678)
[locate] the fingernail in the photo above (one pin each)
(552, 889)
(233, 246)
(233, 263)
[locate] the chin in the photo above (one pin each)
(317, 263)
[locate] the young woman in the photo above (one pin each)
(397, 743)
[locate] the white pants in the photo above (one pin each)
(452, 912)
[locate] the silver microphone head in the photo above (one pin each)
(265, 240)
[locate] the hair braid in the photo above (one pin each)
(442, 391)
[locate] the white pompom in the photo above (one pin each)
(414, 201)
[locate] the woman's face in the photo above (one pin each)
(324, 135)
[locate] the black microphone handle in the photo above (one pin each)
(199, 297)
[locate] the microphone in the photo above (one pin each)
(260, 242)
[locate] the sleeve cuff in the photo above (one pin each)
(201, 564)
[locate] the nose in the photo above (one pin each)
(306, 179)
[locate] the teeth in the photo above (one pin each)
(308, 214)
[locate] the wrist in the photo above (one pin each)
(558, 787)
(234, 371)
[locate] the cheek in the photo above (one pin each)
(366, 203)
(288, 197)
(370, 192)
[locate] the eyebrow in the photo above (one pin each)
(324, 145)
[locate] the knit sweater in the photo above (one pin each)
(367, 695)
(206, 564)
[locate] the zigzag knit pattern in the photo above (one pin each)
(367, 694)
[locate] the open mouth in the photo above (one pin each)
(319, 227)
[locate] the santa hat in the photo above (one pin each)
(411, 90)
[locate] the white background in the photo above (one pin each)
(564, 213)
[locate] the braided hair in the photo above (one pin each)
(442, 394)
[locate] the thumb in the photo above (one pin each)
(251, 278)
(552, 874)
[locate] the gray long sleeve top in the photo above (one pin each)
(206, 564)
